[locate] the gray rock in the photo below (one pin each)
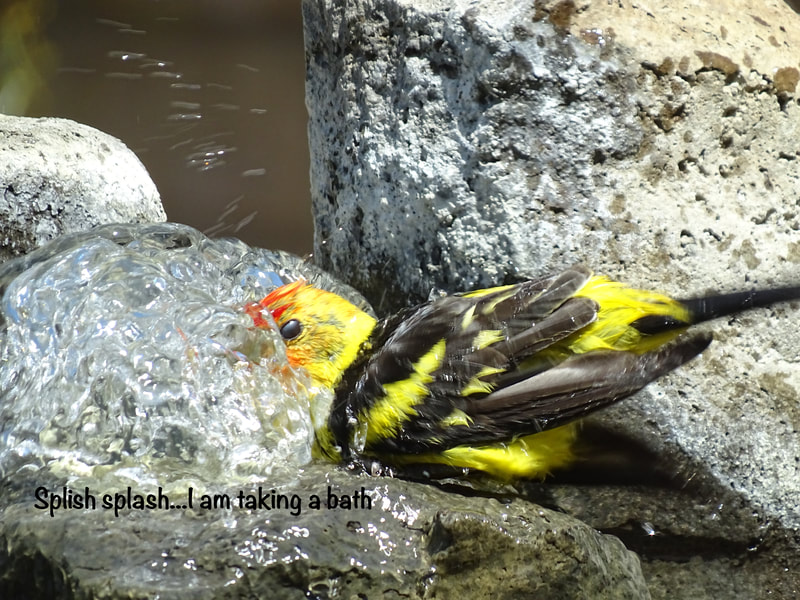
(449, 141)
(464, 144)
(415, 541)
(457, 145)
(58, 176)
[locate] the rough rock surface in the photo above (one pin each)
(415, 541)
(58, 176)
(462, 144)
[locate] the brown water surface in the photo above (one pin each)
(209, 95)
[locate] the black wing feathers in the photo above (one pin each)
(720, 305)
(583, 383)
(520, 321)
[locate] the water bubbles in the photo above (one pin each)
(124, 55)
(186, 86)
(648, 528)
(250, 68)
(122, 75)
(184, 117)
(125, 349)
(165, 74)
(208, 155)
(243, 222)
(111, 23)
(185, 105)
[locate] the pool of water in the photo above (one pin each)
(208, 94)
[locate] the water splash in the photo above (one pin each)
(125, 351)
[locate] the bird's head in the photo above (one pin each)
(323, 332)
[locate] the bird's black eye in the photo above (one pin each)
(291, 329)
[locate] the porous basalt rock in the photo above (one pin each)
(463, 144)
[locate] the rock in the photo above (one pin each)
(415, 541)
(129, 369)
(59, 176)
(507, 147)
(459, 145)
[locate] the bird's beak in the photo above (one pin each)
(260, 315)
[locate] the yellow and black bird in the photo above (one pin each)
(492, 380)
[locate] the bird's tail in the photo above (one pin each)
(706, 308)
(722, 305)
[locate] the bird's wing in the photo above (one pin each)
(458, 370)
(430, 360)
(572, 389)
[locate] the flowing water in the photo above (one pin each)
(125, 353)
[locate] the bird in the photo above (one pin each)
(493, 381)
